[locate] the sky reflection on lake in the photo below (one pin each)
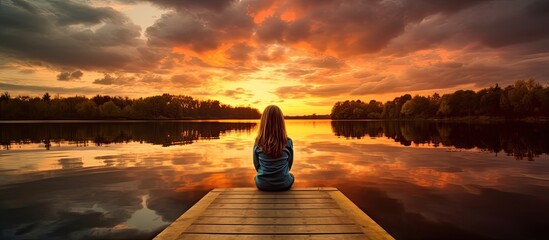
(129, 180)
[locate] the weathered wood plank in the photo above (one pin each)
(272, 213)
(276, 196)
(272, 237)
(271, 200)
(293, 189)
(185, 220)
(273, 221)
(272, 205)
(368, 225)
(274, 229)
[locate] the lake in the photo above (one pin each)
(418, 180)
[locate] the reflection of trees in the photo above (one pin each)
(68, 163)
(516, 139)
(81, 134)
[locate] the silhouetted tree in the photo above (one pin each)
(5, 97)
(46, 97)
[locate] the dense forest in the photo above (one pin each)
(519, 100)
(165, 106)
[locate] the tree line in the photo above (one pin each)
(164, 106)
(521, 99)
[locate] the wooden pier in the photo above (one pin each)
(301, 213)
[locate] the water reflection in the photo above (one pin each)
(92, 203)
(68, 163)
(82, 134)
(134, 189)
(522, 140)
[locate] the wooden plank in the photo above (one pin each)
(368, 225)
(276, 196)
(185, 220)
(272, 237)
(293, 189)
(274, 229)
(272, 213)
(272, 221)
(272, 205)
(271, 200)
(271, 193)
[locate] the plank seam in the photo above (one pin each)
(279, 198)
(276, 224)
(267, 208)
(309, 233)
(329, 216)
(246, 216)
(275, 204)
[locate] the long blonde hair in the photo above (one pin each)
(272, 137)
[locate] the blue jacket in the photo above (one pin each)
(273, 174)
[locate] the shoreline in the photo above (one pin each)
(459, 120)
(443, 120)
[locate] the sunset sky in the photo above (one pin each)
(301, 55)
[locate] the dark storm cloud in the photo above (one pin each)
(178, 29)
(215, 5)
(521, 22)
(239, 52)
(187, 80)
(59, 33)
(129, 79)
(448, 75)
(110, 79)
(70, 13)
(66, 76)
(328, 62)
(272, 29)
(201, 31)
(25, 5)
(352, 27)
(495, 24)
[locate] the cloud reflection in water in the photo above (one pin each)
(133, 189)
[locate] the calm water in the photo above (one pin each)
(418, 180)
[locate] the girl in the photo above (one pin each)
(273, 152)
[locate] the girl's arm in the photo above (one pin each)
(256, 159)
(291, 153)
